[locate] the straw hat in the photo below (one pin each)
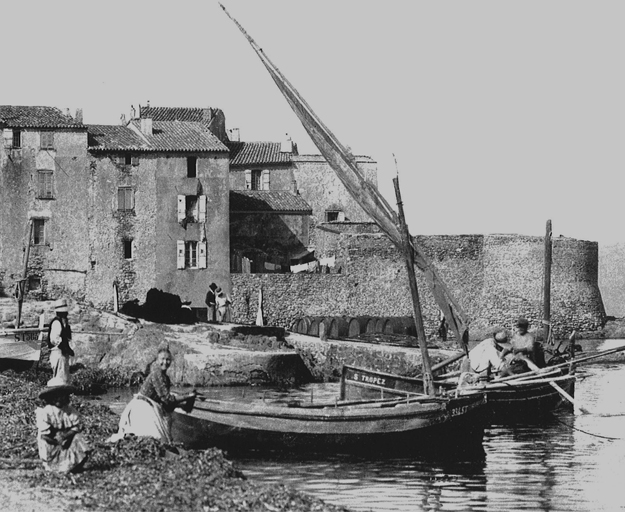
(52, 392)
(60, 306)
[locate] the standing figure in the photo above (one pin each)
(59, 336)
(148, 414)
(210, 303)
(61, 445)
(442, 328)
(223, 306)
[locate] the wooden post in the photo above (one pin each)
(22, 284)
(428, 384)
(547, 287)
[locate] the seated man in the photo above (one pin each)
(523, 344)
(485, 357)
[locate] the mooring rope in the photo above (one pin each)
(586, 432)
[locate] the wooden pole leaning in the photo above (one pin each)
(21, 287)
(428, 379)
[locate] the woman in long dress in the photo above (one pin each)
(148, 414)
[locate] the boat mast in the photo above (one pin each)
(368, 196)
(547, 287)
(428, 385)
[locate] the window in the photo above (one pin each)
(125, 199)
(127, 249)
(128, 159)
(34, 282)
(17, 139)
(256, 179)
(39, 231)
(191, 254)
(47, 140)
(191, 209)
(44, 185)
(191, 167)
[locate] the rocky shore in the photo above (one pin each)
(134, 474)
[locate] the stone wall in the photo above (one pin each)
(495, 278)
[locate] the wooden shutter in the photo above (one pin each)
(180, 254)
(202, 203)
(248, 179)
(201, 247)
(134, 160)
(265, 185)
(182, 213)
(341, 217)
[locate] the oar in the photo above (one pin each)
(533, 367)
(590, 357)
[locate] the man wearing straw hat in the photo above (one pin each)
(59, 336)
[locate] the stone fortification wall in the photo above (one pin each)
(495, 279)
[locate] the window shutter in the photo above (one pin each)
(181, 208)
(134, 160)
(201, 254)
(131, 199)
(120, 198)
(248, 179)
(202, 203)
(196, 210)
(265, 180)
(180, 254)
(341, 216)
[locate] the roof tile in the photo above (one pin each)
(246, 154)
(35, 117)
(278, 201)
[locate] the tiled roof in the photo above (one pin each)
(279, 201)
(196, 115)
(114, 137)
(181, 136)
(247, 154)
(166, 136)
(35, 117)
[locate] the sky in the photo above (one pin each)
(500, 115)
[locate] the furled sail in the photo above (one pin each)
(367, 196)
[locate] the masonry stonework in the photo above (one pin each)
(495, 279)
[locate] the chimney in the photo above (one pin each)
(146, 126)
(286, 146)
(79, 115)
(295, 191)
(122, 119)
(133, 112)
(234, 135)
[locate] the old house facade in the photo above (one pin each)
(43, 182)
(279, 200)
(115, 210)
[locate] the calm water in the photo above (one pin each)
(570, 462)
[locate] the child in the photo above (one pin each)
(61, 445)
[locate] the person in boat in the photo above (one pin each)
(59, 336)
(485, 358)
(61, 445)
(148, 414)
(523, 345)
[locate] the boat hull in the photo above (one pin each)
(506, 403)
(445, 427)
(19, 350)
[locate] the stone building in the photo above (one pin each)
(43, 181)
(115, 209)
(279, 202)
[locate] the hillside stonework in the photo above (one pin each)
(495, 278)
